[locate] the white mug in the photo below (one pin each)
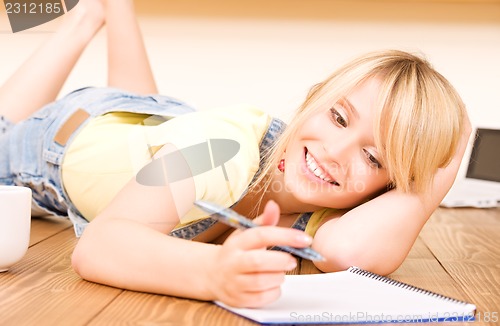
(15, 224)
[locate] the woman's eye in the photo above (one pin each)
(372, 160)
(338, 118)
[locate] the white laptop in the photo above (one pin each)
(481, 186)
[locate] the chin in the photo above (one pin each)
(335, 202)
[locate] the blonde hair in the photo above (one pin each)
(418, 120)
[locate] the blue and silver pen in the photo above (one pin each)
(231, 218)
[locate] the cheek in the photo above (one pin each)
(315, 126)
(367, 179)
(376, 180)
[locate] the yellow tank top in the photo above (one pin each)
(112, 148)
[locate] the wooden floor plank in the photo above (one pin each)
(453, 240)
(45, 227)
(457, 254)
(142, 308)
(467, 216)
(466, 243)
(43, 287)
(481, 283)
(430, 276)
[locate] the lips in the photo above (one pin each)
(314, 167)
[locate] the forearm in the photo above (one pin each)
(127, 254)
(378, 234)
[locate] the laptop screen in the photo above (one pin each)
(484, 161)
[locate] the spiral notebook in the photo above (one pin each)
(355, 296)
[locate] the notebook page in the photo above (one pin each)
(347, 297)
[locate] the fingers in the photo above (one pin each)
(270, 216)
(259, 282)
(268, 236)
(254, 299)
(265, 261)
(250, 278)
(257, 290)
(252, 275)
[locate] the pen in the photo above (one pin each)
(231, 218)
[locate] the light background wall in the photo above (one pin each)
(270, 52)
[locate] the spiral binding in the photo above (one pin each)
(406, 286)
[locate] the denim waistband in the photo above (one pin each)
(30, 157)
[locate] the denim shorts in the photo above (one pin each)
(30, 157)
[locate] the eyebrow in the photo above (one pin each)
(351, 107)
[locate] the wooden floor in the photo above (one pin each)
(457, 254)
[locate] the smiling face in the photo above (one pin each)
(384, 119)
(331, 160)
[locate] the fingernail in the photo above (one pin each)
(304, 238)
(291, 265)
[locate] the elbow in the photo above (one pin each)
(81, 259)
(342, 256)
(339, 257)
(78, 260)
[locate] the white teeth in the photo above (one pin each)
(312, 165)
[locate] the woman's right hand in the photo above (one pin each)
(244, 273)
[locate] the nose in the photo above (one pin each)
(341, 153)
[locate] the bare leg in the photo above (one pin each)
(128, 64)
(39, 80)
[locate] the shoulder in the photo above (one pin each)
(242, 115)
(243, 123)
